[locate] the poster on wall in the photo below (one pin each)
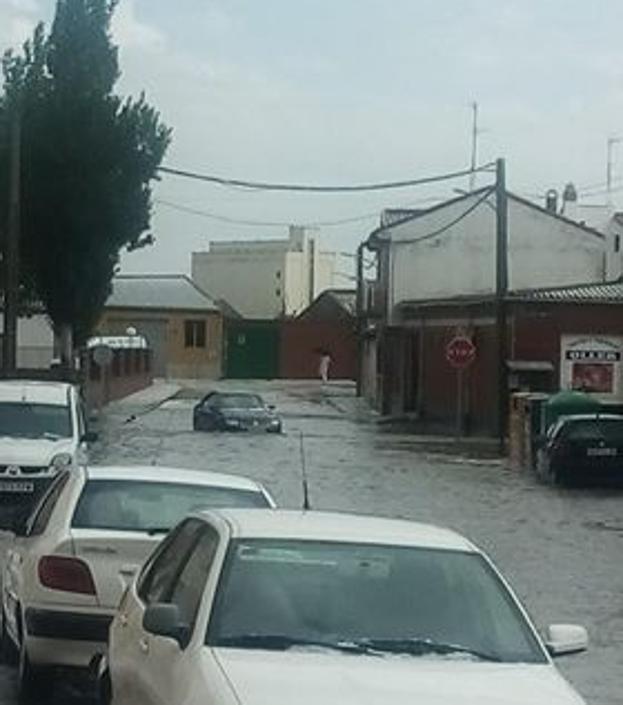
(592, 364)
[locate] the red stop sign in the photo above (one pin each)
(460, 351)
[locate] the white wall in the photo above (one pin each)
(35, 342)
(265, 278)
(252, 281)
(543, 251)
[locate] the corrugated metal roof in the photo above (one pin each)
(159, 291)
(605, 292)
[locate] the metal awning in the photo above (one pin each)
(530, 365)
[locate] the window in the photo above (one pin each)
(188, 589)
(166, 562)
(277, 292)
(133, 505)
(617, 243)
(195, 334)
(41, 515)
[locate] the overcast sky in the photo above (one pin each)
(349, 91)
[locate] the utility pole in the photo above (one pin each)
(611, 142)
(360, 308)
(474, 158)
(11, 248)
(501, 288)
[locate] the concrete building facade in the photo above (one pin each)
(265, 279)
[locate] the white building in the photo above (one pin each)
(35, 341)
(449, 251)
(266, 278)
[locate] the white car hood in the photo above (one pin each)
(312, 678)
(31, 452)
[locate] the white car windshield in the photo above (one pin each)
(238, 401)
(134, 505)
(367, 598)
(28, 420)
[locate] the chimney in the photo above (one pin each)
(551, 200)
(570, 201)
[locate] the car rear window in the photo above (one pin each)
(610, 431)
(133, 505)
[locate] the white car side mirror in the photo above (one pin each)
(562, 639)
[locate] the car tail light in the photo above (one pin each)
(67, 574)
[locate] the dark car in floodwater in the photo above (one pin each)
(583, 449)
(235, 411)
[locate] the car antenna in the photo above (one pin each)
(306, 504)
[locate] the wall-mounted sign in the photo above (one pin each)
(592, 364)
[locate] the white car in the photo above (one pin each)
(42, 430)
(243, 607)
(65, 574)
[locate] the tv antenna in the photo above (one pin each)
(306, 504)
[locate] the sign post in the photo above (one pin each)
(460, 353)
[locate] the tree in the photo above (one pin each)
(88, 160)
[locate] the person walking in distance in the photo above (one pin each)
(325, 365)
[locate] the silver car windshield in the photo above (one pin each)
(368, 598)
(27, 420)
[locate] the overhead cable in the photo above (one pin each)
(452, 223)
(266, 186)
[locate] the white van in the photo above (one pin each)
(42, 430)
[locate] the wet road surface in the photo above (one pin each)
(560, 549)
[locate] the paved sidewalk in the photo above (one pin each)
(146, 400)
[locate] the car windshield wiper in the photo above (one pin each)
(282, 642)
(416, 646)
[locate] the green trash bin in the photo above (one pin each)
(569, 402)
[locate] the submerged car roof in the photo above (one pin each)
(338, 527)
(27, 391)
(156, 473)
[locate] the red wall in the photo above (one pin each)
(300, 341)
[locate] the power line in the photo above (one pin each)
(262, 223)
(210, 215)
(452, 223)
(266, 186)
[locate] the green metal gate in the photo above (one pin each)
(252, 350)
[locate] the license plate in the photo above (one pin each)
(17, 487)
(601, 452)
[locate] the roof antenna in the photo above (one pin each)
(306, 505)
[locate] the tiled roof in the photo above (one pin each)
(159, 291)
(608, 292)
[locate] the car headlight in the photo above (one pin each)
(275, 422)
(234, 423)
(61, 460)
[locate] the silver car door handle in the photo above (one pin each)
(102, 550)
(128, 570)
(143, 645)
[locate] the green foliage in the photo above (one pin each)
(88, 159)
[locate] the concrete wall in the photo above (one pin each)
(543, 251)
(250, 280)
(265, 279)
(180, 361)
(301, 340)
(130, 372)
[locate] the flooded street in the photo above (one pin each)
(559, 548)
